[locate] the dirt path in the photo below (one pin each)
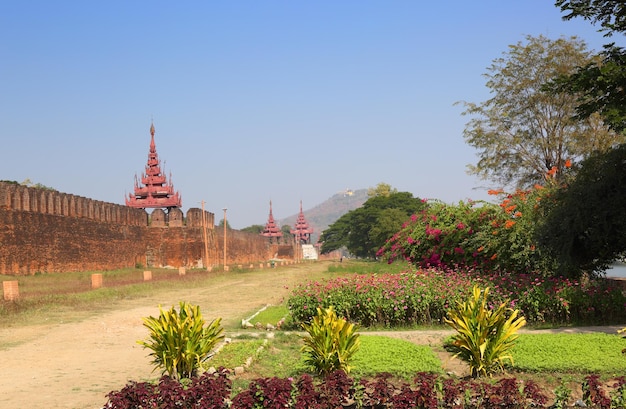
(74, 365)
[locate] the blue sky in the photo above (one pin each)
(254, 101)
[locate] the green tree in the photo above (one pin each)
(221, 224)
(381, 189)
(525, 131)
(389, 222)
(599, 88)
(585, 226)
(364, 230)
(286, 230)
(336, 235)
(610, 14)
(255, 229)
(599, 84)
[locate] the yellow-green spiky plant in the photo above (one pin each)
(484, 336)
(180, 341)
(331, 342)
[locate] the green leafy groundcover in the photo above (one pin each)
(376, 354)
(270, 315)
(396, 356)
(235, 354)
(583, 353)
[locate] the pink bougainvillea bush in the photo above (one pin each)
(485, 236)
(441, 236)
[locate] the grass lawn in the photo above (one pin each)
(553, 360)
(580, 353)
(401, 358)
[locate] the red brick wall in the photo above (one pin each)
(47, 231)
(184, 246)
(35, 242)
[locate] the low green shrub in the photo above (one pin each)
(562, 395)
(180, 341)
(330, 344)
(484, 336)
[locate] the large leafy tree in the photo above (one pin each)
(600, 84)
(364, 230)
(524, 131)
(585, 229)
(586, 224)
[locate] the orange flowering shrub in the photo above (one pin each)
(511, 241)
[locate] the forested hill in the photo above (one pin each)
(327, 212)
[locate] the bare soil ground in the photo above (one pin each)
(74, 361)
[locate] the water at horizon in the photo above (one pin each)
(617, 269)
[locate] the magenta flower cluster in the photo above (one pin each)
(443, 235)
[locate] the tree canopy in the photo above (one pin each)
(255, 228)
(29, 183)
(286, 230)
(524, 131)
(599, 84)
(610, 14)
(364, 230)
(585, 227)
(221, 224)
(381, 189)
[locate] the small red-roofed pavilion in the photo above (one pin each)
(302, 231)
(271, 229)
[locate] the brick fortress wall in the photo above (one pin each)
(48, 231)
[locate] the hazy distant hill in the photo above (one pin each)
(326, 213)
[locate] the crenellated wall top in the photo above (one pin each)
(46, 201)
(17, 197)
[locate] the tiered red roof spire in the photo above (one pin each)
(271, 229)
(154, 191)
(302, 231)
